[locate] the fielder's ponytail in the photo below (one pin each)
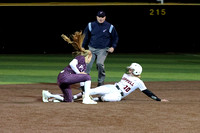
(76, 42)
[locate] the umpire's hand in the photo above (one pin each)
(111, 50)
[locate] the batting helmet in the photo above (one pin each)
(137, 68)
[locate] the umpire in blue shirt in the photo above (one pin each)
(101, 38)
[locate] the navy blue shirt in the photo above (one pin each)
(100, 37)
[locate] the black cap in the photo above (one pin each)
(101, 14)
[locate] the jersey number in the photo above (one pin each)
(127, 88)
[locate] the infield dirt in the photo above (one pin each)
(22, 111)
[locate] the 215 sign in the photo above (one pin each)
(157, 12)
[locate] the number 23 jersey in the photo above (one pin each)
(130, 83)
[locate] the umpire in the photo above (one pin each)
(101, 38)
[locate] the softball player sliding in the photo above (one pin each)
(130, 81)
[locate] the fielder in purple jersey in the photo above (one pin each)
(73, 73)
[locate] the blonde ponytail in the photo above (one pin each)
(76, 42)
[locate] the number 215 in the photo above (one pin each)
(157, 12)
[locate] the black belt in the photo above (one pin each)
(120, 90)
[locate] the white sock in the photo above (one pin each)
(58, 97)
(95, 99)
(75, 97)
(82, 83)
(87, 88)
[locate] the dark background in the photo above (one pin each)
(147, 1)
(37, 29)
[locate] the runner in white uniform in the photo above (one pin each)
(130, 81)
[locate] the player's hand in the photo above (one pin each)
(82, 73)
(164, 100)
(111, 50)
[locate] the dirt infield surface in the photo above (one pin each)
(22, 111)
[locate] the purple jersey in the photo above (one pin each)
(68, 76)
(81, 66)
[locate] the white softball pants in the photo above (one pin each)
(108, 93)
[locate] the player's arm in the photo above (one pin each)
(73, 64)
(151, 95)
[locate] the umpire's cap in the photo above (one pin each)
(101, 14)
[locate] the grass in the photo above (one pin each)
(44, 68)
